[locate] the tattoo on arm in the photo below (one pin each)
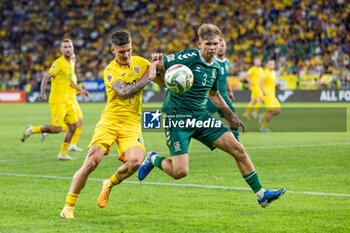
(127, 91)
(44, 83)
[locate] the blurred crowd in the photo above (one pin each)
(309, 37)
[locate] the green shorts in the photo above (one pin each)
(212, 108)
(204, 127)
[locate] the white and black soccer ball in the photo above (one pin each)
(178, 78)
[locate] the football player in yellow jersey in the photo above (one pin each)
(124, 77)
(268, 86)
(62, 111)
(253, 77)
(72, 93)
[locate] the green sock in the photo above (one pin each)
(253, 180)
(235, 133)
(158, 161)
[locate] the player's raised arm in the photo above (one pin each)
(159, 79)
(44, 81)
(129, 90)
(230, 116)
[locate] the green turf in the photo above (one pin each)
(300, 162)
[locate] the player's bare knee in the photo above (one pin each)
(239, 153)
(180, 173)
(90, 164)
(80, 122)
(134, 164)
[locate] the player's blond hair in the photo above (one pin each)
(208, 31)
(66, 40)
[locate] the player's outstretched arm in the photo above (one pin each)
(230, 116)
(44, 81)
(129, 90)
(78, 88)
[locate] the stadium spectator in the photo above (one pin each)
(300, 35)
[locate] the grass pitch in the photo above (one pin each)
(313, 167)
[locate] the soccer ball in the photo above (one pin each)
(178, 78)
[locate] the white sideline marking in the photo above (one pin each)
(173, 184)
(196, 151)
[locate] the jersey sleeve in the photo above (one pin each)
(216, 82)
(249, 72)
(144, 63)
(54, 69)
(113, 77)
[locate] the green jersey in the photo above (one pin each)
(222, 80)
(205, 76)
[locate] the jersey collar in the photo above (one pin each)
(220, 60)
(203, 60)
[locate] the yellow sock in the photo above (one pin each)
(71, 199)
(76, 136)
(249, 108)
(264, 115)
(264, 124)
(64, 128)
(257, 106)
(114, 180)
(64, 148)
(37, 129)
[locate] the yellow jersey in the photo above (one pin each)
(255, 74)
(269, 84)
(62, 72)
(117, 107)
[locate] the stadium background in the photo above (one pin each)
(309, 39)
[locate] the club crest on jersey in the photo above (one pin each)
(70, 77)
(213, 74)
(110, 77)
(170, 57)
(53, 67)
(136, 69)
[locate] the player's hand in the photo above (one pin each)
(158, 57)
(85, 92)
(78, 93)
(244, 129)
(42, 97)
(231, 95)
(263, 93)
(234, 122)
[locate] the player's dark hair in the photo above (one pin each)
(120, 37)
(208, 31)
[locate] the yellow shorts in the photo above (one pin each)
(256, 93)
(62, 113)
(77, 109)
(271, 103)
(124, 134)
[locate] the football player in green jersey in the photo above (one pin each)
(187, 117)
(223, 86)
